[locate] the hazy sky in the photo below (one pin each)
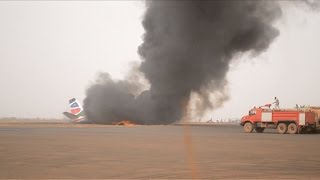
(52, 51)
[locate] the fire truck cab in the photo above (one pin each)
(290, 121)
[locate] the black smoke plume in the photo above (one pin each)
(187, 48)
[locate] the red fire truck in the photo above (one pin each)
(290, 121)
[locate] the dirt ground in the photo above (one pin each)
(56, 150)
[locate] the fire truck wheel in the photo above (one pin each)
(303, 130)
(314, 130)
(292, 128)
(259, 129)
(248, 127)
(282, 128)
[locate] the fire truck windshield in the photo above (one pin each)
(252, 112)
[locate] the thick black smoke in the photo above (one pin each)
(187, 48)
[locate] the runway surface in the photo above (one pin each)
(39, 150)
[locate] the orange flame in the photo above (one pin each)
(124, 123)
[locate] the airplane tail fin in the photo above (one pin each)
(75, 107)
(76, 110)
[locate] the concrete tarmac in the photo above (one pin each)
(50, 151)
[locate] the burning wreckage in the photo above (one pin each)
(187, 48)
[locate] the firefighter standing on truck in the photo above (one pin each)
(276, 103)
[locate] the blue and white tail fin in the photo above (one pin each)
(76, 113)
(75, 107)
